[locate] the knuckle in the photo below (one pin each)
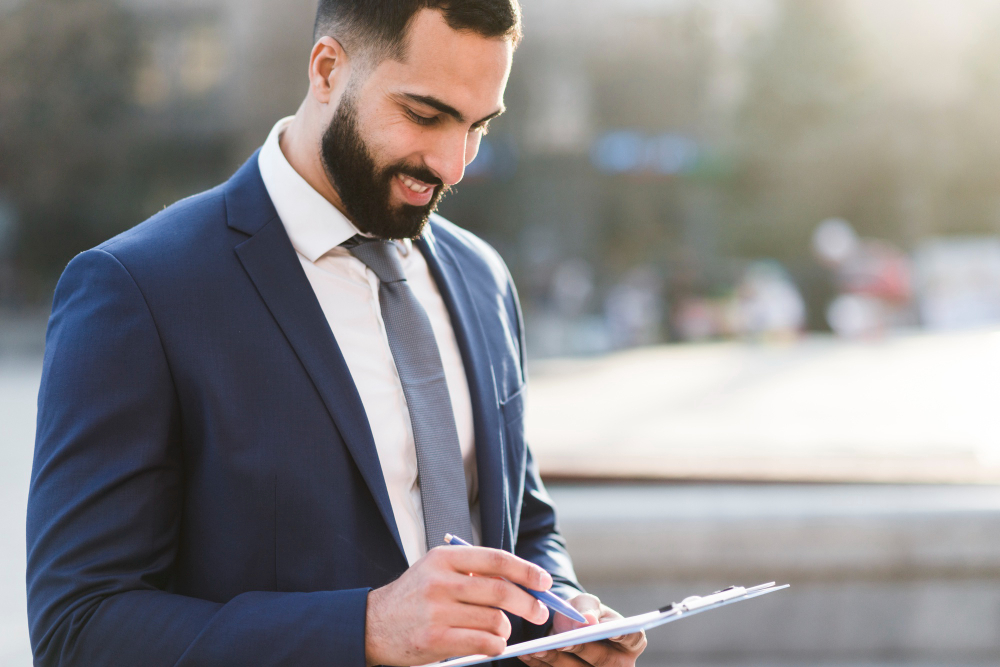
(436, 614)
(499, 590)
(433, 636)
(463, 588)
(432, 587)
(426, 585)
(498, 623)
(497, 559)
(491, 645)
(505, 627)
(601, 658)
(614, 658)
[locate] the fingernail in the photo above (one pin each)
(544, 579)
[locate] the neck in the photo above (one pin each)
(300, 145)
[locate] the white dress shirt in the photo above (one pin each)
(348, 293)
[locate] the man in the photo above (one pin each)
(262, 408)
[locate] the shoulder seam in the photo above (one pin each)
(152, 318)
(162, 216)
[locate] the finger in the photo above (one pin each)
(535, 661)
(490, 592)
(497, 563)
(633, 642)
(602, 654)
(630, 642)
(607, 615)
(556, 659)
(475, 617)
(562, 623)
(463, 641)
(588, 605)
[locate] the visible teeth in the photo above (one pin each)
(408, 182)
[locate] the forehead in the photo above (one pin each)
(462, 68)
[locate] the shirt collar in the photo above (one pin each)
(314, 225)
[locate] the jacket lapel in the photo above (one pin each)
(272, 264)
(467, 324)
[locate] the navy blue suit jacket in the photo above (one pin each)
(205, 488)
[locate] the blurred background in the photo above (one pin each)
(758, 247)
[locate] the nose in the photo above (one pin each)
(447, 159)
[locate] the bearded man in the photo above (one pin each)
(263, 408)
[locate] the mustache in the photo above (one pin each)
(418, 173)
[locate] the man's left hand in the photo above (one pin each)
(615, 652)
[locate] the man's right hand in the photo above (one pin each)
(436, 610)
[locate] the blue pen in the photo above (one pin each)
(548, 599)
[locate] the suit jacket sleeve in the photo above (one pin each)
(105, 504)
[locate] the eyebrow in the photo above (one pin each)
(435, 103)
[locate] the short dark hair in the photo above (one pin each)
(379, 26)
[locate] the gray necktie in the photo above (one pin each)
(418, 361)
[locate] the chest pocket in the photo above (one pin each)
(515, 456)
(512, 411)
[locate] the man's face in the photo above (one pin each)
(399, 139)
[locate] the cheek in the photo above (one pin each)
(399, 141)
(388, 136)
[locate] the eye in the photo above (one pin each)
(420, 120)
(482, 129)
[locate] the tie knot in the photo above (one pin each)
(380, 256)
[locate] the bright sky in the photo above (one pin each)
(924, 47)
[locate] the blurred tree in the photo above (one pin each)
(65, 127)
(803, 147)
(797, 132)
(974, 187)
(84, 154)
(823, 133)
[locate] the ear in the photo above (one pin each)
(329, 68)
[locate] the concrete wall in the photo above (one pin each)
(879, 575)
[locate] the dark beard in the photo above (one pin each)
(364, 188)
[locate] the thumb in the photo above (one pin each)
(589, 606)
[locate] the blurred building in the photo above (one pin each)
(959, 282)
(686, 139)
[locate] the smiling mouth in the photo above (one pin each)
(414, 185)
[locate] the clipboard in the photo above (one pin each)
(673, 612)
